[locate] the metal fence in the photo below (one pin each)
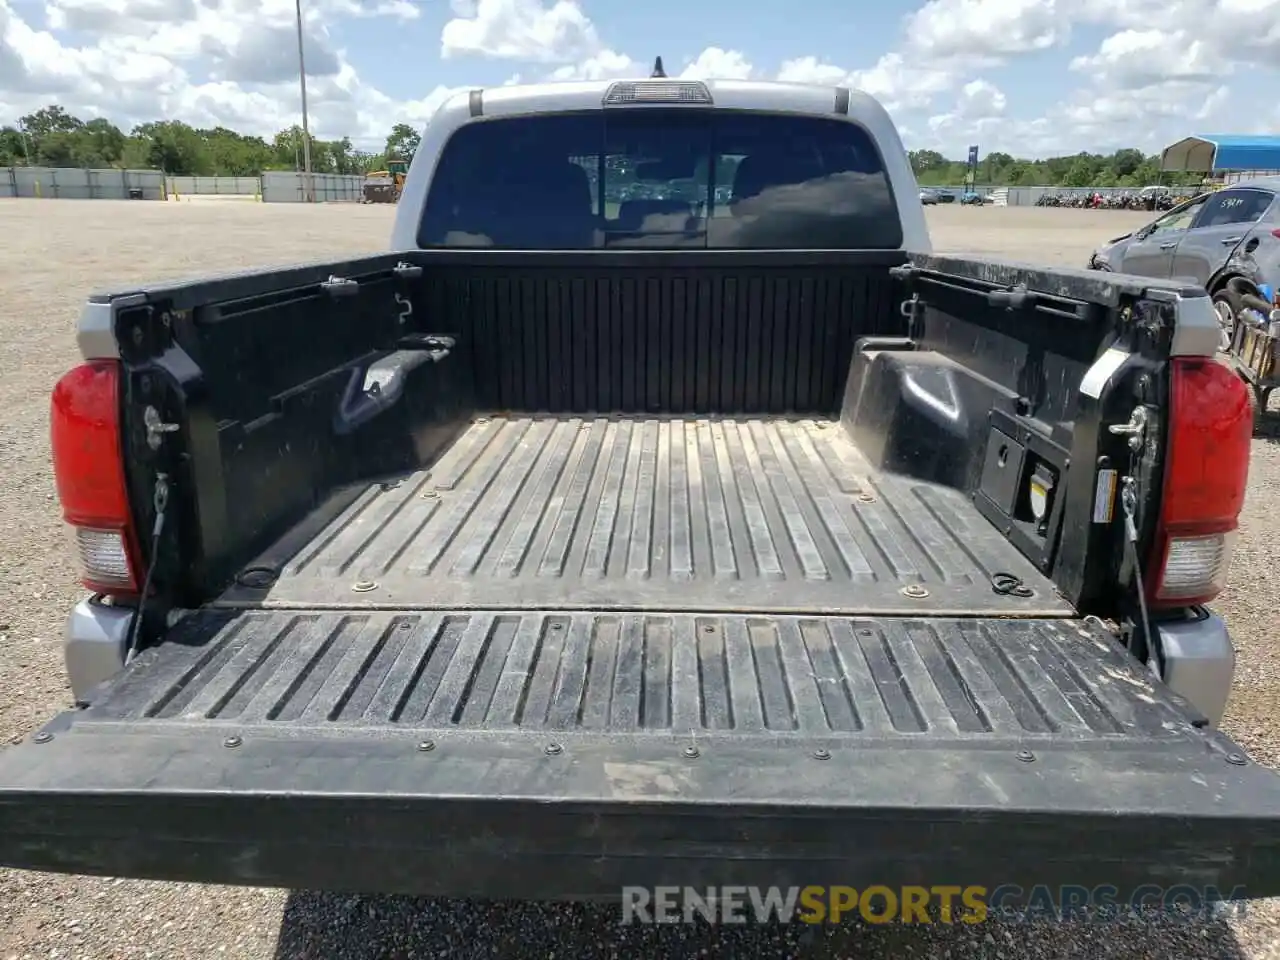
(287, 186)
(71, 183)
(214, 186)
(284, 186)
(1028, 196)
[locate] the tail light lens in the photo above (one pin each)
(88, 468)
(1207, 470)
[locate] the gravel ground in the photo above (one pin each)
(58, 251)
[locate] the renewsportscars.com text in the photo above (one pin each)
(917, 904)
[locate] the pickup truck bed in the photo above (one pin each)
(637, 569)
(667, 514)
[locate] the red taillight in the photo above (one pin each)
(88, 468)
(1210, 427)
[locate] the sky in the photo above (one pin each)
(1029, 77)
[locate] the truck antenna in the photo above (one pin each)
(658, 72)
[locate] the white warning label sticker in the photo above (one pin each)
(1104, 496)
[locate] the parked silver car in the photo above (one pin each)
(1228, 241)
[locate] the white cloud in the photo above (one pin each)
(944, 44)
(269, 54)
(1138, 58)
(233, 62)
(1144, 85)
(1172, 99)
(1141, 83)
(398, 9)
(978, 109)
(605, 65)
(812, 70)
(978, 98)
(977, 29)
(1133, 14)
(520, 30)
(212, 62)
(713, 63)
(34, 61)
(116, 16)
(250, 41)
(898, 83)
(1250, 29)
(902, 84)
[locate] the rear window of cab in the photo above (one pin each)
(661, 178)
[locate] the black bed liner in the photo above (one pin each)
(838, 677)
(617, 513)
(564, 754)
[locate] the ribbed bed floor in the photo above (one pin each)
(655, 514)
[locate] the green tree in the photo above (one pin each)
(50, 119)
(234, 154)
(926, 161)
(403, 142)
(1126, 162)
(55, 137)
(1022, 174)
(56, 149)
(342, 156)
(14, 147)
(287, 154)
(1079, 174)
(137, 154)
(99, 144)
(175, 148)
(363, 161)
(994, 168)
(1055, 169)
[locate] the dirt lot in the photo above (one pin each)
(58, 251)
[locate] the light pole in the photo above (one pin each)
(308, 189)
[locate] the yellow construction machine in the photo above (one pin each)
(385, 186)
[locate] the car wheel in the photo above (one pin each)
(1226, 307)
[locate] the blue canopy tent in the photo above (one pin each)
(1222, 153)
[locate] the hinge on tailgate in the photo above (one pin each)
(156, 428)
(1135, 429)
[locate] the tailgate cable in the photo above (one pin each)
(1129, 505)
(159, 500)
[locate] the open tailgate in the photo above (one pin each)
(567, 754)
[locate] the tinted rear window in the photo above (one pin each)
(661, 178)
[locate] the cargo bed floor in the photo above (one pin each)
(770, 516)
